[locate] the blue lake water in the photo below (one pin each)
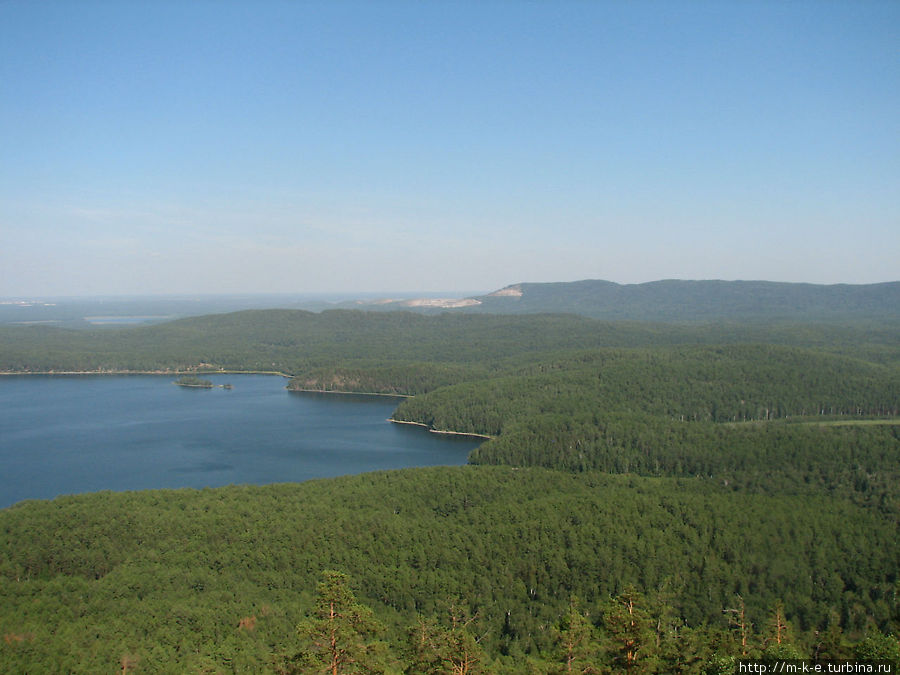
(71, 434)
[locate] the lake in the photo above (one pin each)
(72, 434)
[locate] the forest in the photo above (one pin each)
(168, 577)
(652, 498)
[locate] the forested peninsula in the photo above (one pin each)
(735, 486)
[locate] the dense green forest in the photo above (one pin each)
(183, 581)
(734, 486)
(296, 341)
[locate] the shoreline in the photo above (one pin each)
(69, 373)
(347, 393)
(445, 432)
(144, 372)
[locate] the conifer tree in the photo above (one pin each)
(779, 644)
(576, 642)
(740, 623)
(627, 623)
(338, 630)
(438, 650)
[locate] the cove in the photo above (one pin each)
(72, 434)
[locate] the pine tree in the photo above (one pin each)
(338, 629)
(740, 622)
(438, 650)
(627, 623)
(576, 642)
(779, 645)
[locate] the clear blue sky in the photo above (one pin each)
(222, 147)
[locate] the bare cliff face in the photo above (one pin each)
(443, 303)
(423, 303)
(514, 291)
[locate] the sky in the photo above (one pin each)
(302, 147)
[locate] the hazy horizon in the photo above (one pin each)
(324, 295)
(361, 294)
(172, 149)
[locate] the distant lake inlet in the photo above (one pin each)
(72, 434)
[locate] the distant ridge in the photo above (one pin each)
(669, 300)
(677, 300)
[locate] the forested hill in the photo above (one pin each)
(292, 341)
(676, 300)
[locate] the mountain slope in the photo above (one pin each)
(677, 300)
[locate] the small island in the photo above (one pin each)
(193, 381)
(200, 383)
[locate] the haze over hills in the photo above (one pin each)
(678, 300)
(662, 301)
(94, 311)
